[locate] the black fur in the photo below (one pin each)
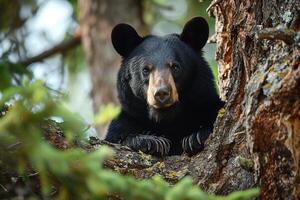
(185, 125)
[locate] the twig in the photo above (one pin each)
(58, 92)
(239, 133)
(60, 48)
(14, 145)
(212, 39)
(33, 174)
(89, 126)
(212, 5)
(278, 33)
(4, 188)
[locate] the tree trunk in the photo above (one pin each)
(258, 55)
(97, 18)
(256, 140)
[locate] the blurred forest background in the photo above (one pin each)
(32, 27)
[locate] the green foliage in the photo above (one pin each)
(107, 113)
(74, 4)
(10, 17)
(11, 73)
(75, 61)
(76, 173)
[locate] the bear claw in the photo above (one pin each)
(194, 143)
(150, 144)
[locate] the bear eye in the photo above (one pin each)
(175, 67)
(146, 71)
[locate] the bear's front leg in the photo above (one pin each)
(194, 143)
(150, 144)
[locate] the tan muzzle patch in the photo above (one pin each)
(162, 91)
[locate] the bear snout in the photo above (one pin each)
(162, 94)
(162, 91)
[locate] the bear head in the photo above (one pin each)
(156, 71)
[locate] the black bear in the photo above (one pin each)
(166, 89)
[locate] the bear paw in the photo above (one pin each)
(194, 143)
(149, 144)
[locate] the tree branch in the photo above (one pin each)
(60, 48)
(278, 33)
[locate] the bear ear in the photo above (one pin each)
(195, 33)
(124, 39)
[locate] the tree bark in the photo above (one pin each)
(256, 140)
(260, 80)
(97, 18)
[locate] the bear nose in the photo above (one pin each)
(162, 94)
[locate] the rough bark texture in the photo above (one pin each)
(256, 141)
(260, 80)
(97, 18)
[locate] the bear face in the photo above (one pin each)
(166, 89)
(158, 68)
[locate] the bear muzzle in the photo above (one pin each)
(162, 95)
(162, 92)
